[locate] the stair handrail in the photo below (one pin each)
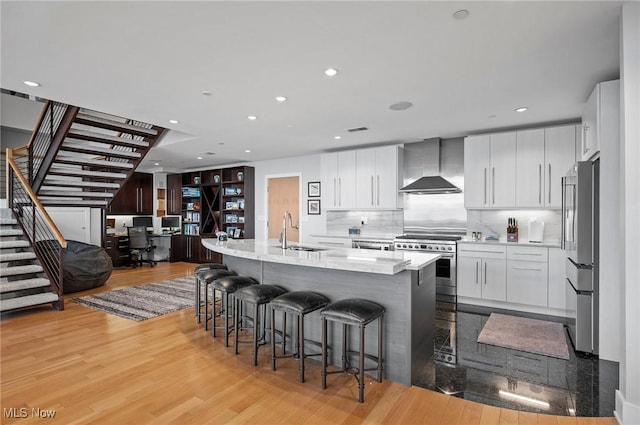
(37, 225)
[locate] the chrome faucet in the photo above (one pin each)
(283, 234)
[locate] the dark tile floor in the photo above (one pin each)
(584, 385)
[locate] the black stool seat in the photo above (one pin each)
(300, 302)
(209, 266)
(232, 283)
(353, 311)
(209, 275)
(259, 294)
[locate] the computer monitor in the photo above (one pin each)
(171, 222)
(143, 221)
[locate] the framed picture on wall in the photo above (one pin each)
(313, 207)
(313, 189)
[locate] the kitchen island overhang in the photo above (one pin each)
(404, 283)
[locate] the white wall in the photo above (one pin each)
(308, 168)
(628, 397)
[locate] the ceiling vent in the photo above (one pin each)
(355, 130)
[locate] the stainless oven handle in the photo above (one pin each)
(562, 207)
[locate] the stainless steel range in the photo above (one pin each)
(445, 245)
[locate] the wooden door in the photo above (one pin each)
(283, 195)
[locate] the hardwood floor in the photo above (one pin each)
(95, 368)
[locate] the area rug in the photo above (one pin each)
(143, 302)
(530, 335)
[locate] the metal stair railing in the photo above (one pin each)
(45, 238)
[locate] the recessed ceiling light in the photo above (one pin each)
(400, 106)
(337, 137)
(32, 83)
(247, 150)
(281, 98)
(491, 116)
(199, 157)
(461, 14)
(174, 121)
(221, 143)
(331, 72)
(206, 93)
(156, 163)
(252, 117)
(522, 109)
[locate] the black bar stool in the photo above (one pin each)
(208, 277)
(259, 296)
(196, 272)
(227, 286)
(356, 312)
(299, 303)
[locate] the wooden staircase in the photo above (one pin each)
(23, 282)
(88, 157)
(75, 158)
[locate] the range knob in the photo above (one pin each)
(404, 246)
(429, 247)
(449, 249)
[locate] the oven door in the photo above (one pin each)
(446, 278)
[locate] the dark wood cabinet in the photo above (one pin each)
(118, 249)
(135, 196)
(190, 249)
(237, 202)
(174, 194)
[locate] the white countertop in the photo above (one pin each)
(501, 241)
(365, 237)
(358, 260)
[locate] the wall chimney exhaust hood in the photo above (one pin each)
(424, 163)
(429, 185)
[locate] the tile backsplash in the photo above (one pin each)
(379, 222)
(495, 222)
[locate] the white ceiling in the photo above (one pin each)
(151, 61)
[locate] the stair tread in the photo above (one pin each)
(68, 171)
(18, 285)
(84, 148)
(46, 191)
(78, 183)
(71, 202)
(92, 135)
(88, 119)
(11, 232)
(14, 244)
(8, 221)
(16, 256)
(17, 270)
(28, 301)
(89, 161)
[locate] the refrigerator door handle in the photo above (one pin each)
(562, 221)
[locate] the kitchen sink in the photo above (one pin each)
(304, 248)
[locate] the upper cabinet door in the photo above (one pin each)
(590, 125)
(174, 194)
(386, 178)
(530, 163)
(366, 178)
(338, 171)
(503, 170)
(559, 153)
(477, 151)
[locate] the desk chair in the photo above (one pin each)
(141, 246)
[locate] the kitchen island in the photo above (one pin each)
(403, 282)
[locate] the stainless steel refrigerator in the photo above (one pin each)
(580, 229)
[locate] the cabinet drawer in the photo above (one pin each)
(482, 251)
(528, 253)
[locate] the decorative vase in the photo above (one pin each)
(216, 178)
(240, 176)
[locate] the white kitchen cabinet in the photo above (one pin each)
(559, 157)
(339, 180)
(482, 271)
(557, 279)
(527, 275)
(490, 171)
(377, 178)
(603, 103)
(544, 155)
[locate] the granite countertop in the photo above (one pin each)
(358, 260)
(502, 241)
